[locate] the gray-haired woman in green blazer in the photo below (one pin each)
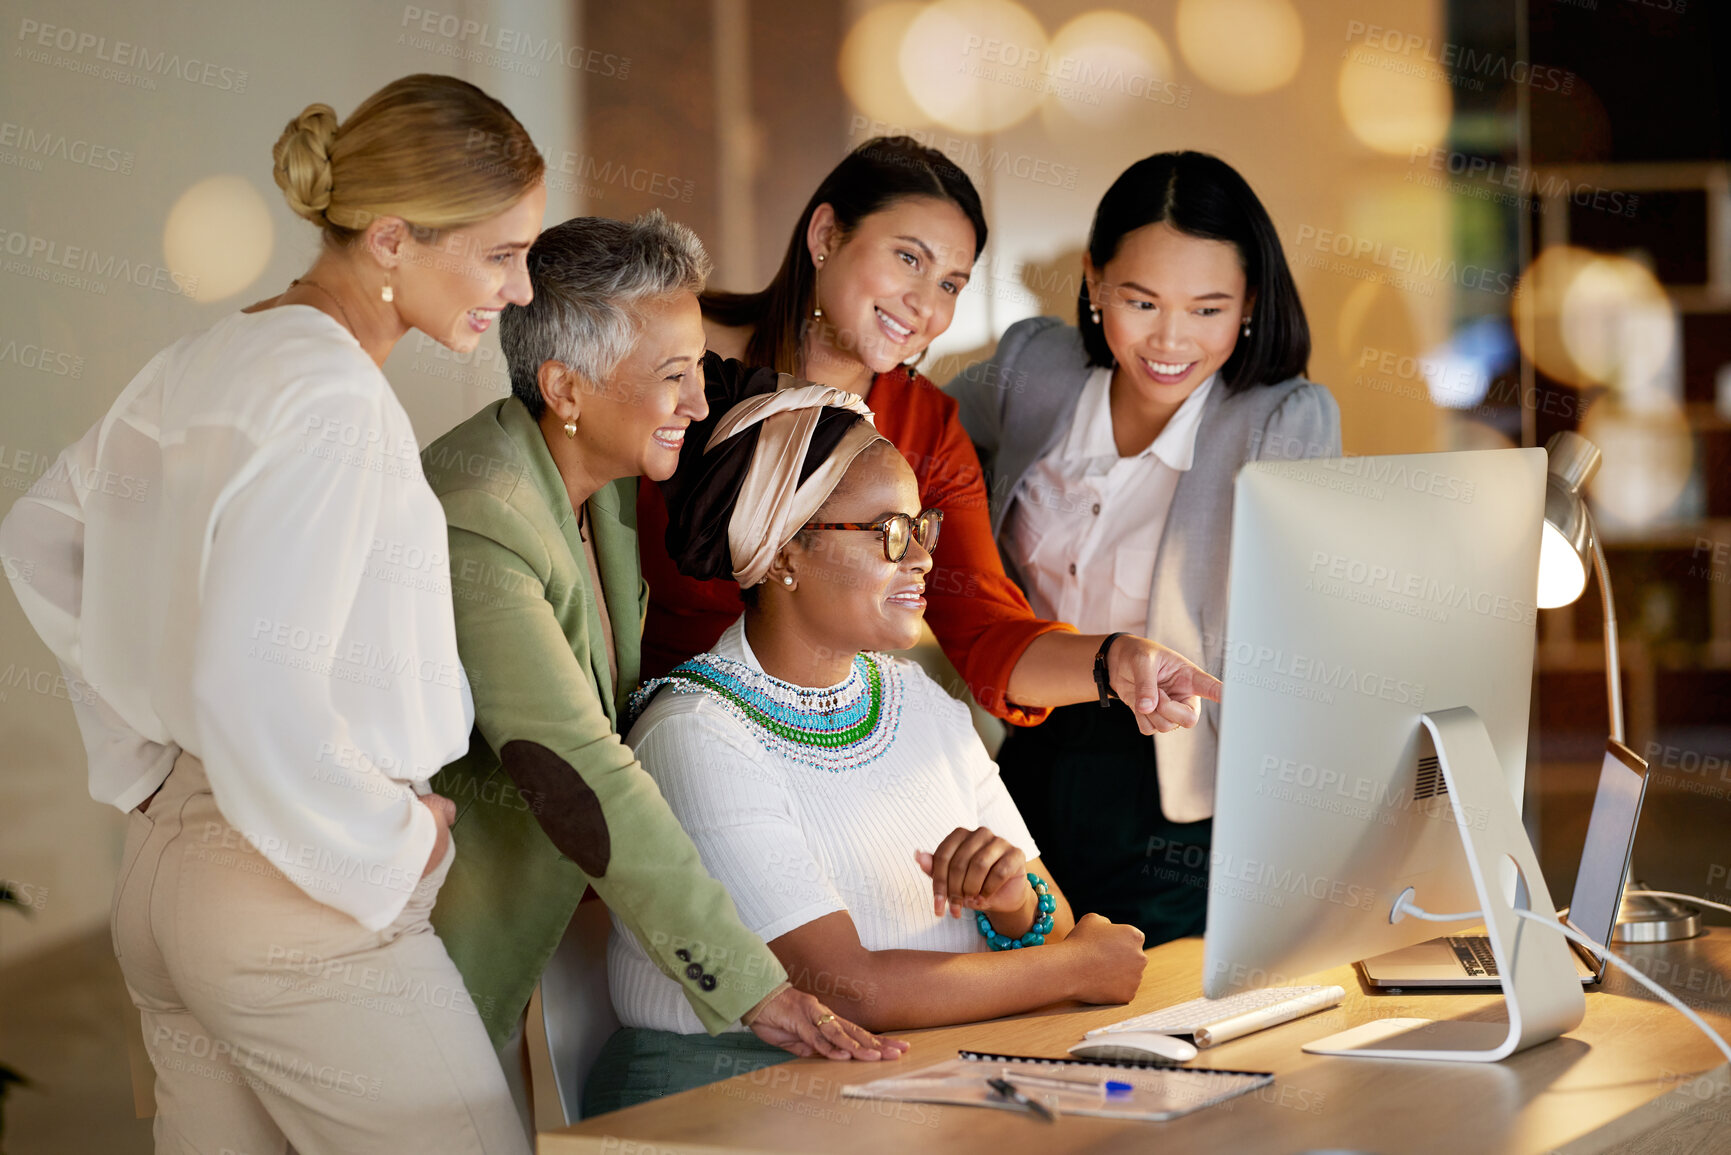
(539, 491)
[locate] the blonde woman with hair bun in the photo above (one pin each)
(263, 619)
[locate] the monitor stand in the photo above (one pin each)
(1544, 996)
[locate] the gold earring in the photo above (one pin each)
(570, 428)
(386, 294)
(816, 280)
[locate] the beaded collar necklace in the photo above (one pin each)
(832, 728)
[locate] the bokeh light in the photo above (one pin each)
(869, 65)
(1391, 103)
(219, 232)
(975, 65)
(1618, 326)
(1538, 312)
(1648, 454)
(1241, 47)
(1109, 65)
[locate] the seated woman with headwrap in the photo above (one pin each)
(841, 796)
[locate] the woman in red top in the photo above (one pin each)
(870, 279)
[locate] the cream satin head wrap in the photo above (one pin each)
(772, 504)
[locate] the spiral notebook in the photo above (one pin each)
(1062, 1085)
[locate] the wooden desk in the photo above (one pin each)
(1634, 1077)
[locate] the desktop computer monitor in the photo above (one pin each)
(1373, 727)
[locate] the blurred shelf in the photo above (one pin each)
(1642, 176)
(1673, 535)
(1698, 192)
(1699, 299)
(1704, 415)
(1582, 659)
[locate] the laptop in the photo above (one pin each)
(1465, 961)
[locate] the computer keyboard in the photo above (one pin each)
(1474, 951)
(1188, 1018)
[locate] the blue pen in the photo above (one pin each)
(1112, 1087)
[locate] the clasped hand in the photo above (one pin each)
(977, 870)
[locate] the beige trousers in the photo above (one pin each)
(276, 1023)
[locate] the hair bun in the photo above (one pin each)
(303, 162)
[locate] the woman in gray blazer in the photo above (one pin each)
(1111, 449)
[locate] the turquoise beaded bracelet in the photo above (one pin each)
(1036, 935)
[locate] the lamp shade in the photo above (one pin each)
(1566, 546)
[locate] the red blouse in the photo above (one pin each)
(979, 616)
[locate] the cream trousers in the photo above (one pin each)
(278, 1024)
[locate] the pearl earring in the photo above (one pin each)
(787, 580)
(386, 294)
(570, 429)
(816, 309)
(1245, 331)
(1094, 314)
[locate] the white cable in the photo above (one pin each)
(1629, 969)
(1679, 897)
(1404, 905)
(1476, 915)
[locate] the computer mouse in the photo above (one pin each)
(1135, 1047)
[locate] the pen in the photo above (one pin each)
(1008, 1090)
(1109, 1086)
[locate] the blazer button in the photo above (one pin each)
(683, 955)
(694, 971)
(707, 982)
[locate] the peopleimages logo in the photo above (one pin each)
(1401, 260)
(1328, 567)
(1527, 185)
(1071, 78)
(32, 143)
(1305, 676)
(967, 153)
(81, 267)
(1459, 63)
(510, 49)
(28, 355)
(87, 51)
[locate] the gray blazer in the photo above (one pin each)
(1019, 405)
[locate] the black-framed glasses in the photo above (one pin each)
(897, 529)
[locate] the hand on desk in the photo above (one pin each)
(1112, 966)
(798, 1022)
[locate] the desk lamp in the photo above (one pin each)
(1568, 547)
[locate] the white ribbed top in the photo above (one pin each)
(792, 842)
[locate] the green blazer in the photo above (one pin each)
(549, 799)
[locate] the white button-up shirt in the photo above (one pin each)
(243, 560)
(1086, 525)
